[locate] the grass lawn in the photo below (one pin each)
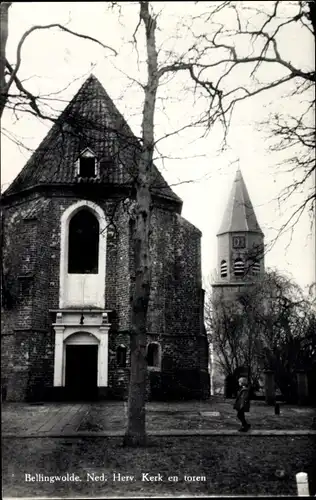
(226, 465)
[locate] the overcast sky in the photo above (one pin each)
(53, 60)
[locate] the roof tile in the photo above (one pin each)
(90, 120)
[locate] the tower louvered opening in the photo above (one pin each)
(223, 269)
(255, 267)
(239, 268)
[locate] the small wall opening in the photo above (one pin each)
(153, 355)
(121, 356)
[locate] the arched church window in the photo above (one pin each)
(83, 253)
(255, 267)
(121, 356)
(223, 269)
(153, 355)
(239, 267)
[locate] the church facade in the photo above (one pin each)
(68, 268)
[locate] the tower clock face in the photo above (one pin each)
(239, 241)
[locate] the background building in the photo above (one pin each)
(240, 263)
(240, 244)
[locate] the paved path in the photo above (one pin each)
(106, 419)
(165, 433)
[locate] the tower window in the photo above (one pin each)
(153, 355)
(223, 269)
(239, 267)
(255, 267)
(121, 356)
(83, 254)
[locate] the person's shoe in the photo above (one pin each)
(245, 429)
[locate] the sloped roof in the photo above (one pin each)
(239, 215)
(90, 120)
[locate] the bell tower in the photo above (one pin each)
(240, 243)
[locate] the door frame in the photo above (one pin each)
(68, 329)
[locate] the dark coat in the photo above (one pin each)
(243, 400)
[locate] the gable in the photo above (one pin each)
(91, 121)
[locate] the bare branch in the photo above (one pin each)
(44, 27)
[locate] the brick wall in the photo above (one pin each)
(32, 262)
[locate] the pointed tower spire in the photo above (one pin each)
(239, 214)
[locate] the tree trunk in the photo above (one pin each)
(136, 428)
(4, 7)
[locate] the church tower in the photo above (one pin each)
(240, 244)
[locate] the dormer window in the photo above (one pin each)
(87, 164)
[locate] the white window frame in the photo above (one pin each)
(88, 153)
(64, 248)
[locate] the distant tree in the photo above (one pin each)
(233, 333)
(287, 334)
(270, 325)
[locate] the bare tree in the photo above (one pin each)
(135, 433)
(13, 92)
(267, 326)
(234, 333)
(241, 53)
(285, 321)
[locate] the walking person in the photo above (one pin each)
(242, 403)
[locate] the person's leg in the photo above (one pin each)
(241, 417)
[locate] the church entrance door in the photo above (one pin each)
(81, 372)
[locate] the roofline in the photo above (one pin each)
(192, 226)
(6, 199)
(218, 284)
(259, 231)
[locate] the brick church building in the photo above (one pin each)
(68, 268)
